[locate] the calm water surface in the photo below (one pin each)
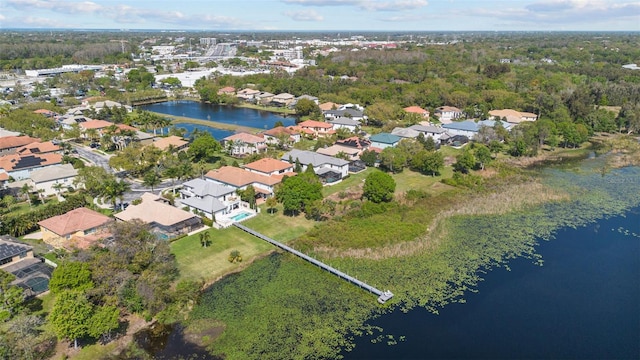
(584, 303)
(217, 113)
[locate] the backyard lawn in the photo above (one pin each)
(196, 262)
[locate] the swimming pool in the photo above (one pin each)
(241, 216)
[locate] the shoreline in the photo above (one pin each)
(212, 124)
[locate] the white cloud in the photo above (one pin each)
(308, 15)
(66, 7)
(370, 5)
(562, 12)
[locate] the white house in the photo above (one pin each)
(345, 123)
(244, 144)
(446, 114)
(322, 164)
(45, 179)
(212, 199)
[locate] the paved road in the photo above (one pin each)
(137, 188)
(96, 158)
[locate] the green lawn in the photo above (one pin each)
(196, 262)
(412, 180)
(352, 181)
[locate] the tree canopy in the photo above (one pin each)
(379, 187)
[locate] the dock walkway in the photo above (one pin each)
(383, 296)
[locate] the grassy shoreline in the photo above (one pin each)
(212, 124)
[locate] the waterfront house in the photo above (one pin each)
(241, 144)
(247, 94)
(81, 228)
(269, 166)
(210, 198)
(240, 179)
(329, 168)
(276, 135)
(282, 99)
(318, 128)
(176, 143)
(164, 220)
(227, 90)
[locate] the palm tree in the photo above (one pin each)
(205, 239)
(57, 187)
(25, 191)
(151, 179)
(114, 190)
(92, 134)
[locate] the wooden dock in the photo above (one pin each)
(383, 296)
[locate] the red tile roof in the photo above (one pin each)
(237, 177)
(281, 130)
(80, 219)
(164, 143)
(16, 161)
(268, 165)
(95, 124)
(415, 109)
(245, 137)
(315, 124)
(38, 148)
(10, 142)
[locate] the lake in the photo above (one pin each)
(583, 303)
(218, 113)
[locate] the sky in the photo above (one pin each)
(325, 15)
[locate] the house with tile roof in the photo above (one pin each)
(38, 148)
(512, 116)
(20, 167)
(227, 90)
(384, 140)
(275, 135)
(241, 144)
(45, 179)
(355, 142)
(269, 166)
(329, 106)
(282, 99)
(446, 114)
(177, 142)
(81, 228)
(247, 94)
(332, 168)
(417, 110)
(164, 220)
(240, 179)
(343, 152)
(9, 144)
(319, 128)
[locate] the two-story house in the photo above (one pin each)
(242, 143)
(210, 198)
(328, 168)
